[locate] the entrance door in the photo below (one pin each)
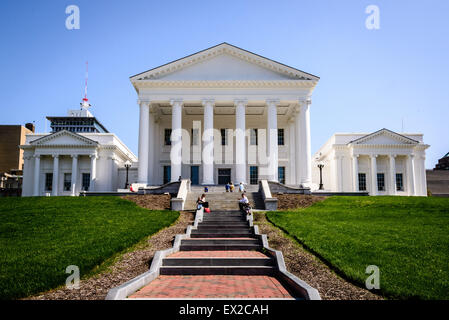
(194, 174)
(224, 176)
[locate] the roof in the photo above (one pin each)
(306, 75)
(382, 130)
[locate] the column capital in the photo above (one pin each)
(55, 155)
(392, 156)
(411, 155)
(373, 156)
(143, 102)
(305, 101)
(355, 156)
(239, 102)
(208, 102)
(37, 156)
(272, 101)
(176, 102)
(74, 156)
(93, 156)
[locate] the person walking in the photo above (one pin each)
(241, 187)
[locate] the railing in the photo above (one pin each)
(270, 202)
(177, 203)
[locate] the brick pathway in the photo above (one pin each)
(214, 286)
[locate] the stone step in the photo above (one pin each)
(217, 262)
(221, 235)
(221, 241)
(218, 270)
(219, 247)
(221, 226)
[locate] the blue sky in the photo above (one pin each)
(370, 79)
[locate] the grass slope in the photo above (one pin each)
(41, 236)
(406, 237)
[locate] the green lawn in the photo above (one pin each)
(406, 237)
(41, 236)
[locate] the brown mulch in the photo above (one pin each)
(151, 201)
(131, 264)
(293, 201)
(305, 265)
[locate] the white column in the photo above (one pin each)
(411, 175)
(292, 142)
(208, 142)
(54, 191)
(373, 174)
(144, 125)
(306, 154)
(93, 171)
(240, 145)
(151, 147)
(176, 139)
(37, 173)
(355, 172)
(74, 173)
(298, 147)
(338, 176)
(392, 174)
(272, 134)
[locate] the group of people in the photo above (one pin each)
(230, 187)
(244, 204)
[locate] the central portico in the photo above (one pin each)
(224, 114)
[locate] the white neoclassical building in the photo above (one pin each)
(224, 114)
(64, 163)
(381, 163)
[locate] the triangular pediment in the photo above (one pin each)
(224, 62)
(384, 137)
(64, 138)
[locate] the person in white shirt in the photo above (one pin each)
(243, 201)
(241, 187)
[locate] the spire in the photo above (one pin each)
(85, 104)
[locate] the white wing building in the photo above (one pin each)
(381, 163)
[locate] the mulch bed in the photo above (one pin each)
(293, 201)
(305, 265)
(131, 264)
(151, 201)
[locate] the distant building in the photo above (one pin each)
(443, 163)
(11, 157)
(77, 121)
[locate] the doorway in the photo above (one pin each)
(194, 175)
(224, 176)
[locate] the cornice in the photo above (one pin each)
(225, 84)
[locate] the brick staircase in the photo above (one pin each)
(222, 258)
(220, 200)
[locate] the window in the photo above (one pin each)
(381, 182)
(280, 137)
(48, 181)
(399, 182)
(224, 137)
(67, 181)
(253, 137)
(167, 174)
(362, 182)
(195, 135)
(253, 175)
(86, 181)
(281, 174)
(167, 135)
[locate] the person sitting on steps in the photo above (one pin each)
(202, 201)
(227, 187)
(231, 187)
(243, 202)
